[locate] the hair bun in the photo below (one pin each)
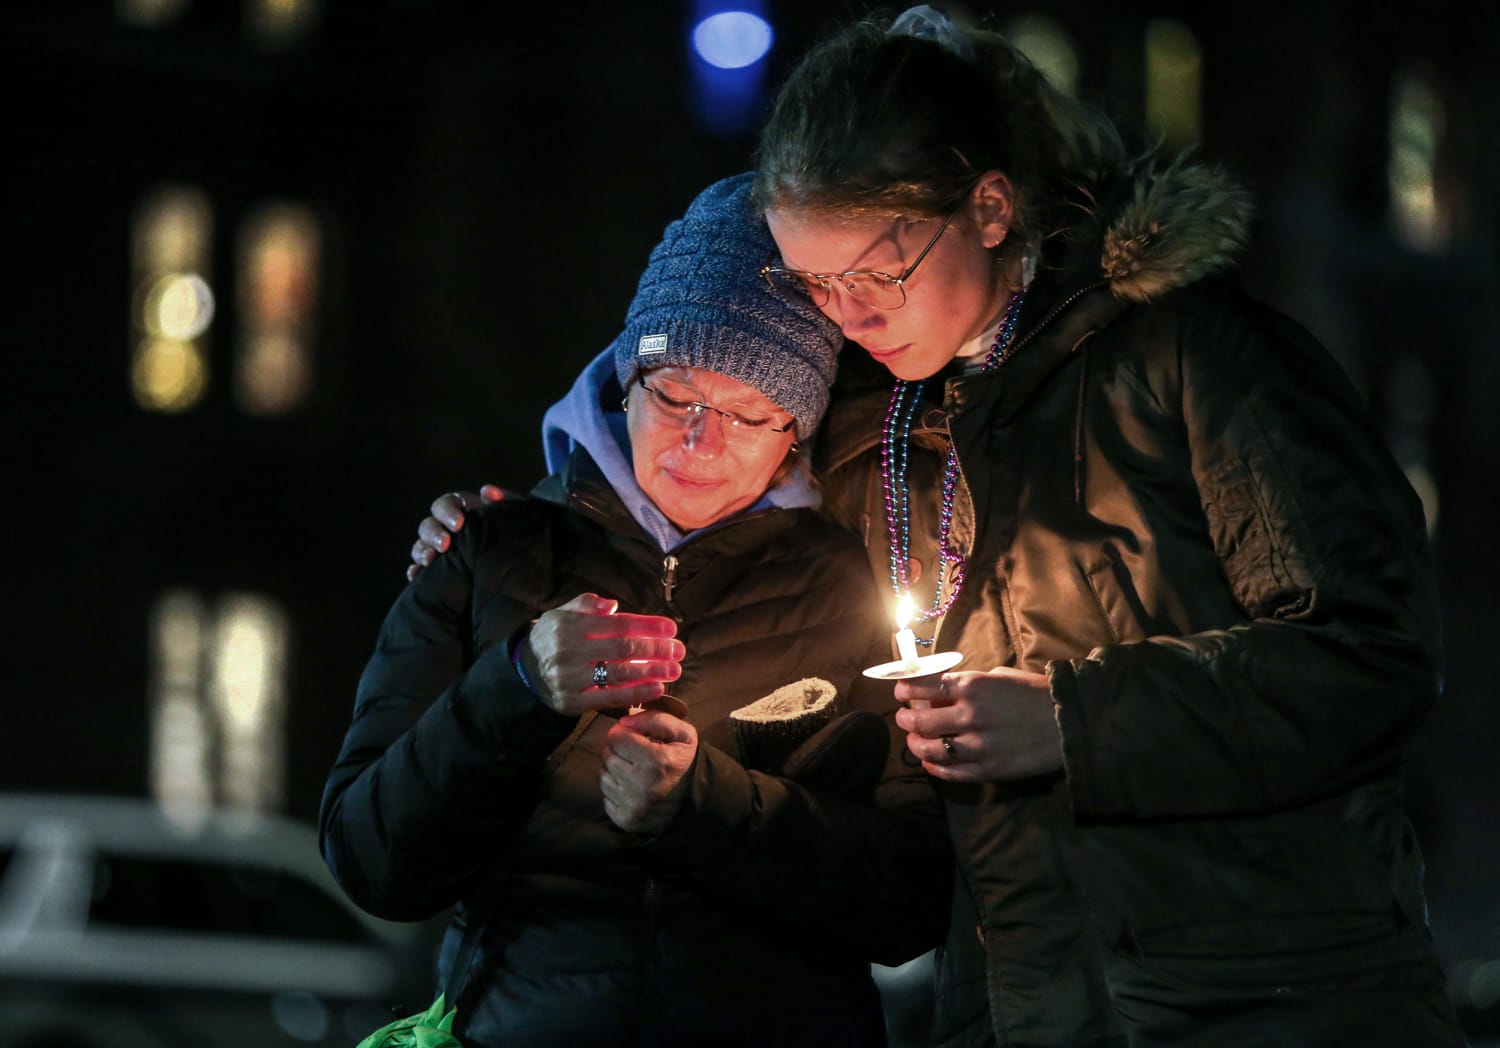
(926, 22)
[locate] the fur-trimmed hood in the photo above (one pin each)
(1174, 226)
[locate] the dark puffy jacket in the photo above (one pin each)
(753, 919)
(1175, 506)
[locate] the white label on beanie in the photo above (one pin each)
(651, 345)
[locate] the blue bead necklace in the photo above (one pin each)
(895, 446)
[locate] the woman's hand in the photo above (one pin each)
(646, 761)
(564, 649)
(998, 725)
(447, 518)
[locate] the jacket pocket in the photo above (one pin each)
(1116, 599)
(1096, 576)
(1252, 521)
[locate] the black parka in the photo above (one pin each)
(1174, 504)
(754, 918)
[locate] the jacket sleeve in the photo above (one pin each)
(866, 866)
(442, 760)
(1322, 543)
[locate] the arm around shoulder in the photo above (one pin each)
(442, 758)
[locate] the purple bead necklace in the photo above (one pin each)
(895, 445)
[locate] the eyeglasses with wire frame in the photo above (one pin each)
(681, 405)
(868, 287)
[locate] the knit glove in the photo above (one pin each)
(770, 728)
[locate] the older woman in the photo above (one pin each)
(662, 884)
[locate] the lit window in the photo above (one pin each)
(248, 693)
(168, 374)
(1425, 485)
(1174, 83)
(218, 702)
(150, 13)
(174, 301)
(180, 777)
(1409, 398)
(1417, 127)
(278, 289)
(280, 23)
(1044, 41)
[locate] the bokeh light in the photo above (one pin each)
(1049, 47)
(278, 259)
(1174, 83)
(168, 374)
(174, 305)
(732, 39)
(1417, 126)
(178, 306)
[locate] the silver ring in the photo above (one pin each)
(601, 674)
(947, 741)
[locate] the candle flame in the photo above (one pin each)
(905, 609)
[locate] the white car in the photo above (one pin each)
(122, 928)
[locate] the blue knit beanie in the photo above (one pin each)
(702, 303)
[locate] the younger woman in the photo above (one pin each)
(1190, 583)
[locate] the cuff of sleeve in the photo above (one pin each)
(720, 802)
(494, 700)
(1072, 725)
(514, 646)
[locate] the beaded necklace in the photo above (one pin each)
(895, 437)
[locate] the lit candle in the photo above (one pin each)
(906, 640)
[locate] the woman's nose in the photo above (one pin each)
(704, 434)
(854, 318)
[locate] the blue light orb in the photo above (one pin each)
(732, 39)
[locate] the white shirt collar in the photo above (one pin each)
(972, 352)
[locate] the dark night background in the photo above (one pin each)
(489, 179)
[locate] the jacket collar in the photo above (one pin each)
(582, 487)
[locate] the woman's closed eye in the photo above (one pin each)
(682, 399)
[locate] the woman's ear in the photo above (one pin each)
(993, 203)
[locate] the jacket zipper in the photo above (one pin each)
(1053, 314)
(668, 577)
(652, 901)
(653, 904)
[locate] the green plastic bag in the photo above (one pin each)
(432, 1029)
